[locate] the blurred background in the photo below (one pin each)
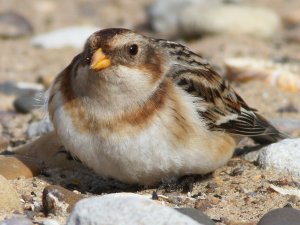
(253, 43)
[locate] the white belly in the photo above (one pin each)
(148, 156)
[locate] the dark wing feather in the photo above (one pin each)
(221, 107)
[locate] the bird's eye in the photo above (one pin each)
(133, 49)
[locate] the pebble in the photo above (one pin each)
(292, 17)
(282, 216)
(61, 38)
(26, 103)
(9, 199)
(126, 209)
(258, 22)
(12, 167)
(283, 156)
(39, 128)
(13, 25)
(164, 14)
(16, 221)
(20, 88)
(58, 200)
(4, 142)
(196, 215)
(50, 222)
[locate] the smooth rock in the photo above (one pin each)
(13, 166)
(13, 25)
(50, 222)
(64, 37)
(196, 215)
(48, 149)
(283, 156)
(20, 88)
(127, 209)
(58, 200)
(16, 221)
(9, 199)
(292, 17)
(283, 216)
(257, 22)
(39, 128)
(164, 14)
(26, 103)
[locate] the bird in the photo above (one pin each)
(140, 110)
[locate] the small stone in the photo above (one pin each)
(9, 199)
(124, 209)
(58, 200)
(164, 14)
(12, 167)
(39, 128)
(202, 204)
(16, 221)
(283, 156)
(20, 88)
(26, 103)
(292, 17)
(60, 38)
(13, 25)
(294, 199)
(258, 22)
(196, 215)
(50, 222)
(4, 142)
(282, 216)
(237, 172)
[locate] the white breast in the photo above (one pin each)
(147, 157)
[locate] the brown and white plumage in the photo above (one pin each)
(140, 109)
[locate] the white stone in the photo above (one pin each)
(64, 37)
(50, 222)
(283, 156)
(236, 19)
(123, 209)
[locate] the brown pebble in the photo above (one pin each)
(3, 143)
(215, 201)
(237, 172)
(202, 204)
(26, 197)
(58, 200)
(12, 167)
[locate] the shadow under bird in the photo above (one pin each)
(140, 110)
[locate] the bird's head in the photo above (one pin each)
(122, 59)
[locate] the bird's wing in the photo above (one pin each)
(219, 105)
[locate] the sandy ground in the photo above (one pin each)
(239, 191)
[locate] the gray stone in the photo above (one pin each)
(62, 37)
(164, 14)
(39, 128)
(196, 215)
(16, 221)
(9, 199)
(20, 88)
(26, 103)
(125, 209)
(237, 19)
(283, 156)
(13, 25)
(283, 216)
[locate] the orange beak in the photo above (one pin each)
(100, 60)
